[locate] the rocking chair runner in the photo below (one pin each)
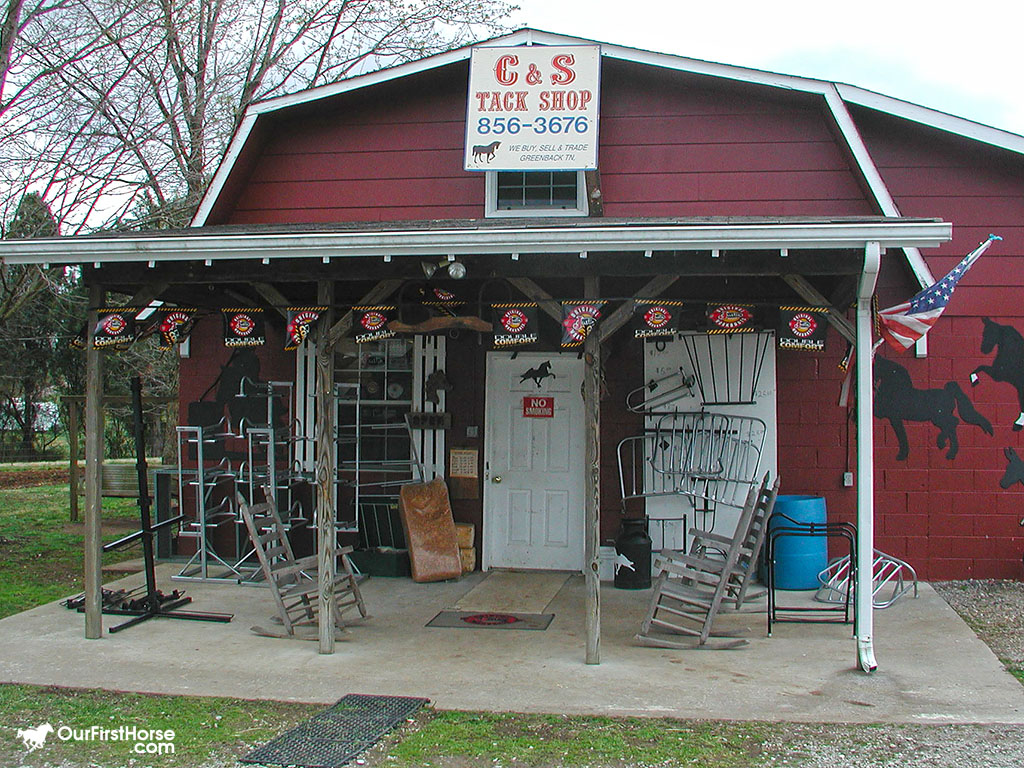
(692, 587)
(293, 582)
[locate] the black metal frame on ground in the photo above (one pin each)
(791, 527)
(156, 605)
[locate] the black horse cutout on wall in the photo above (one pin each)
(897, 400)
(1008, 364)
(1014, 471)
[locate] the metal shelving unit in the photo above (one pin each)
(374, 444)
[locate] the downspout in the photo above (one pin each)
(865, 620)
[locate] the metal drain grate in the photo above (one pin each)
(335, 736)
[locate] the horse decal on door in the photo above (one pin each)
(1008, 364)
(538, 374)
(898, 400)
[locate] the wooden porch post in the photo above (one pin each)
(325, 469)
(592, 482)
(93, 468)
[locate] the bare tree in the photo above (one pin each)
(131, 122)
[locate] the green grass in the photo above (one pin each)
(205, 728)
(41, 552)
(214, 730)
(457, 738)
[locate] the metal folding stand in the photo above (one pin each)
(155, 604)
(791, 527)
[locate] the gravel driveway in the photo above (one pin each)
(995, 611)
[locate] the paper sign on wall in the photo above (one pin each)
(533, 108)
(462, 462)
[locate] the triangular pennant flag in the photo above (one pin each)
(243, 327)
(578, 319)
(732, 318)
(802, 328)
(371, 323)
(79, 340)
(115, 327)
(299, 321)
(174, 325)
(515, 325)
(441, 299)
(652, 318)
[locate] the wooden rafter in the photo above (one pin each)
(534, 292)
(276, 299)
(813, 296)
(651, 290)
(146, 294)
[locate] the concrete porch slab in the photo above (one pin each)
(932, 668)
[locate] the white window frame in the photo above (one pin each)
(491, 209)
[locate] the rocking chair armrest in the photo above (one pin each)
(682, 565)
(303, 564)
(707, 536)
(311, 562)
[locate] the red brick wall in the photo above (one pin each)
(948, 518)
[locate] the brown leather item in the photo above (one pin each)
(429, 531)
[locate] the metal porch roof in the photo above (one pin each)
(478, 236)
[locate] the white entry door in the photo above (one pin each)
(533, 471)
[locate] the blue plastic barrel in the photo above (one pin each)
(799, 558)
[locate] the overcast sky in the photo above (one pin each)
(961, 58)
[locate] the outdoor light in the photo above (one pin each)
(456, 269)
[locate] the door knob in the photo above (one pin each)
(496, 479)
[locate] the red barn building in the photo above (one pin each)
(714, 185)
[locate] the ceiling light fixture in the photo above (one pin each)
(456, 269)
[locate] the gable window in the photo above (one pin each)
(536, 193)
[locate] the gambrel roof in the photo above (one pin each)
(837, 98)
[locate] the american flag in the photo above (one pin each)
(905, 323)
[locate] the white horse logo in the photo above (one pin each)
(34, 738)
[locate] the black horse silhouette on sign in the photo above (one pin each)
(897, 400)
(485, 151)
(538, 374)
(1008, 364)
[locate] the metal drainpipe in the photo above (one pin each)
(864, 629)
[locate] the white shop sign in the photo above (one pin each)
(533, 108)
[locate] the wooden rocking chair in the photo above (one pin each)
(705, 542)
(293, 582)
(692, 587)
